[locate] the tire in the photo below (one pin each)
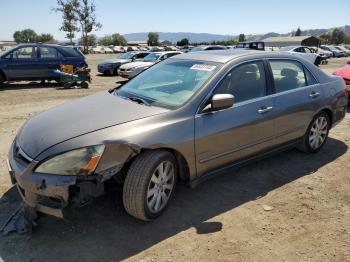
(84, 85)
(316, 134)
(2, 79)
(143, 192)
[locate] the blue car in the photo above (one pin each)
(37, 61)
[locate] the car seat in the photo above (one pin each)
(289, 80)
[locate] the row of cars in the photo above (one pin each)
(130, 64)
(124, 49)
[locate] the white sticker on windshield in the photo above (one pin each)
(203, 67)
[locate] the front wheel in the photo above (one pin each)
(316, 134)
(150, 184)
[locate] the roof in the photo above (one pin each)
(219, 56)
(286, 38)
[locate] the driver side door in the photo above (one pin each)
(235, 133)
(22, 64)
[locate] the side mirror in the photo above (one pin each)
(219, 102)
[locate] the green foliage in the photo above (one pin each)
(69, 17)
(25, 36)
(91, 40)
(30, 36)
(298, 32)
(46, 38)
(153, 39)
(325, 39)
(338, 36)
(183, 42)
(241, 38)
(230, 42)
(115, 39)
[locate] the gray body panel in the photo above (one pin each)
(205, 141)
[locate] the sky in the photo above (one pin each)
(197, 16)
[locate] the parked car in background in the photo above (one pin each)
(336, 52)
(342, 48)
(118, 49)
(255, 45)
(321, 52)
(344, 73)
(304, 52)
(132, 69)
(208, 48)
(133, 48)
(110, 66)
(187, 118)
(37, 61)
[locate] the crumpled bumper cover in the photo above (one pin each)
(34, 187)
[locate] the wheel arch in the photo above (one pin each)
(184, 170)
(3, 74)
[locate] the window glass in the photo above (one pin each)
(307, 50)
(23, 53)
(169, 84)
(310, 78)
(49, 52)
(287, 75)
(244, 82)
(71, 52)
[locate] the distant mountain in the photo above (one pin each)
(174, 37)
(205, 37)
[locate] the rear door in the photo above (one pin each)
(246, 128)
(50, 59)
(297, 97)
(22, 64)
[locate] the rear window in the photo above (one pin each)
(71, 52)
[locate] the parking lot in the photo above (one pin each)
(291, 207)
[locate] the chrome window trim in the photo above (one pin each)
(198, 113)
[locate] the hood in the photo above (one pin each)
(343, 72)
(77, 118)
(137, 64)
(115, 61)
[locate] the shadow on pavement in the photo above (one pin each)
(104, 232)
(28, 85)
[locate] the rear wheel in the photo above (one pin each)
(2, 78)
(150, 184)
(316, 134)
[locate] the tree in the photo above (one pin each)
(69, 24)
(91, 40)
(86, 14)
(325, 39)
(46, 38)
(118, 39)
(241, 38)
(298, 32)
(338, 36)
(153, 39)
(105, 41)
(25, 36)
(183, 42)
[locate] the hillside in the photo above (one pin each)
(205, 37)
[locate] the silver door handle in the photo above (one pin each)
(314, 94)
(264, 109)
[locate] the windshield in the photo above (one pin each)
(152, 57)
(169, 84)
(127, 55)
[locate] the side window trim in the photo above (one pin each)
(227, 71)
(293, 60)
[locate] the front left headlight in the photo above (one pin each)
(77, 162)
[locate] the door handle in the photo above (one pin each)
(314, 94)
(264, 109)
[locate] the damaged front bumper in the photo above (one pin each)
(44, 193)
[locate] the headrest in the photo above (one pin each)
(287, 72)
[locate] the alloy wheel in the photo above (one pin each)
(160, 186)
(318, 132)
